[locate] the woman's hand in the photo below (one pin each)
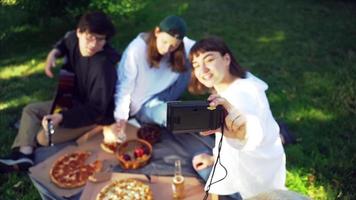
(115, 132)
(216, 100)
(119, 126)
(118, 129)
(202, 161)
(234, 121)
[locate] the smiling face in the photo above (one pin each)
(90, 43)
(211, 68)
(165, 42)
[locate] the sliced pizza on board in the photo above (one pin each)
(71, 171)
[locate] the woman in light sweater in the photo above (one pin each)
(248, 155)
(154, 69)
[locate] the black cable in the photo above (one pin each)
(214, 167)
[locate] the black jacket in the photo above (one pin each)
(95, 82)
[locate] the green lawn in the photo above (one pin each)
(304, 49)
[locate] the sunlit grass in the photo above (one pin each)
(8, 2)
(119, 7)
(308, 113)
(305, 183)
(22, 28)
(276, 37)
(22, 70)
(15, 102)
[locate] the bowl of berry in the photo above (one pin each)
(134, 154)
(149, 132)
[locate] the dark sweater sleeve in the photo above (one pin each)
(63, 44)
(100, 99)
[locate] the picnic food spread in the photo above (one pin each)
(133, 154)
(71, 171)
(125, 189)
(109, 147)
(150, 133)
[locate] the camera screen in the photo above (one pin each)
(192, 116)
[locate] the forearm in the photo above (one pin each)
(235, 123)
(239, 133)
(127, 73)
(122, 101)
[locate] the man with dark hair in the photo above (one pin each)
(92, 60)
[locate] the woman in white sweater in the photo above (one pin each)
(154, 69)
(251, 158)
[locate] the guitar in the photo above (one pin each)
(63, 99)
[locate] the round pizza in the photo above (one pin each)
(125, 189)
(71, 170)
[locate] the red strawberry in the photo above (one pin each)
(138, 152)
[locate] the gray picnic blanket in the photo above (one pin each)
(171, 147)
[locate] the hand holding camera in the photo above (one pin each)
(206, 117)
(234, 120)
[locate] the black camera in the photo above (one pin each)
(193, 116)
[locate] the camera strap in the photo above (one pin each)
(217, 161)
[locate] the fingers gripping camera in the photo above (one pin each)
(193, 116)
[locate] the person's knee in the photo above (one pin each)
(160, 120)
(42, 138)
(159, 115)
(195, 162)
(28, 109)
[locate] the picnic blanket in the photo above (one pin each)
(171, 147)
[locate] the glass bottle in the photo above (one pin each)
(178, 181)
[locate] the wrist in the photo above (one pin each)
(121, 121)
(234, 112)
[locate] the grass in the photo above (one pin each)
(304, 49)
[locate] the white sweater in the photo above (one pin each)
(256, 164)
(137, 82)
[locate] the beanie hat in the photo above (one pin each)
(174, 25)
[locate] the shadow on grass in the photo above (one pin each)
(34, 86)
(18, 42)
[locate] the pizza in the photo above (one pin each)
(125, 189)
(71, 170)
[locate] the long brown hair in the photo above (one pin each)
(212, 44)
(177, 58)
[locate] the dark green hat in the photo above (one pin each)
(174, 25)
